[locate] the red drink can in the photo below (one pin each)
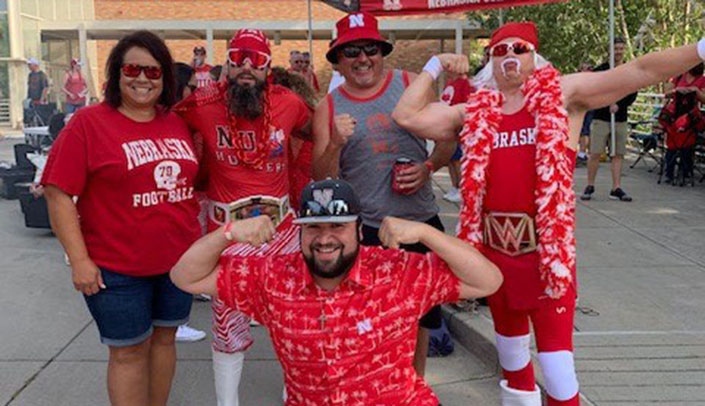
(399, 165)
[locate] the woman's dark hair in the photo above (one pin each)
(215, 72)
(159, 51)
(697, 70)
(183, 73)
(280, 76)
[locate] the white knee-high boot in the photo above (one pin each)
(515, 397)
(227, 369)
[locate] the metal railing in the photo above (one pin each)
(644, 112)
(5, 112)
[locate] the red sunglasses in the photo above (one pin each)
(258, 60)
(132, 70)
(519, 47)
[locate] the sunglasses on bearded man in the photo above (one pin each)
(518, 47)
(258, 60)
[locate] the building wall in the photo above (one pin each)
(24, 42)
(410, 55)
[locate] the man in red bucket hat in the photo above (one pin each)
(355, 139)
(246, 124)
(519, 138)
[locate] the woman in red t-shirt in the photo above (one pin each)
(131, 163)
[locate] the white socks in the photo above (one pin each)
(515, 397)
(227, 369)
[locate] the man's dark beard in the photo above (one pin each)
(341, 265)
(246, 101)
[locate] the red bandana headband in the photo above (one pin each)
(555, 219)
(253, 40)
(526, 31)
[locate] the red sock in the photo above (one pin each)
(522, 379)
(574, 401)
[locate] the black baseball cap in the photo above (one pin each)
(199, 49)
(328, 201)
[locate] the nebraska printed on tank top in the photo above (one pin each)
(511, 173)
(511, 188)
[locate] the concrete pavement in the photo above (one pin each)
(639, 329)
(50, 353)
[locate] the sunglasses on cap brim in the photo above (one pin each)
(354, 51)
(132, 70)
(258, 60)
(333, 208)
(518, 47)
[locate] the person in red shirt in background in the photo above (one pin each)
(681, 119)
(74, 88)
(520, 131)
(202, 70)
(457, 91)
(246, 124)
(132, 165)
(342, 316)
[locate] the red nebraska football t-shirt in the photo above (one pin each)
(134, 183)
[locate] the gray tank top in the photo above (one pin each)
(366, 160)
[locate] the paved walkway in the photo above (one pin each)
(50, 354)
(639, 331)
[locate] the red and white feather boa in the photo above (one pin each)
(555, 199)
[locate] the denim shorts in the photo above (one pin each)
(457, 154)
(126, 311)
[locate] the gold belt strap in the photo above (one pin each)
(512, 234)
(251, 206)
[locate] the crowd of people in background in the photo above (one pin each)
(275, 204)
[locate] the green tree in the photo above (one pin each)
(578, 30)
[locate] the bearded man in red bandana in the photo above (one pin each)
(245, 124)
(519, 138)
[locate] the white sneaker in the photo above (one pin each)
(187, 334)
(453, 195)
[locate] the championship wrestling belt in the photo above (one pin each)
(512, 234)
(252, 206)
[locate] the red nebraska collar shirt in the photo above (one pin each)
(355, 344)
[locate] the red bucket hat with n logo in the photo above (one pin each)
(355, 27)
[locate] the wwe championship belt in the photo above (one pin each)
(253, 206)
(512, 234)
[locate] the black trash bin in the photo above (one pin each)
(36, 213)
(13, 181)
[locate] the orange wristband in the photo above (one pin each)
(429, 166)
